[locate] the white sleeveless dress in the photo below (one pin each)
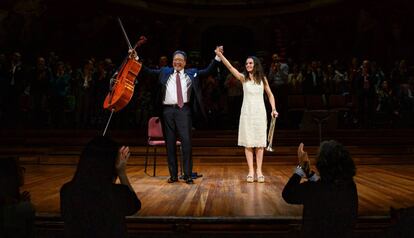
(253, 121)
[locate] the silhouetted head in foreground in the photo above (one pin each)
(334, 162)
(97, 162)
(11, 178)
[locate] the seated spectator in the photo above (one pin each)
(92, 205)
(330, 199)
(17, 213)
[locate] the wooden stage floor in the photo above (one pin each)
(221, 203)
(223, 192)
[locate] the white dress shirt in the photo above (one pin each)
(171, 92)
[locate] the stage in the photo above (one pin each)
(221, 203)
(223, 191)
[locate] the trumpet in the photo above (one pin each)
(270, 134)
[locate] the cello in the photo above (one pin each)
(122, 89)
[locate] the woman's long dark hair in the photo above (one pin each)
(97, 162)
(258, 72)
(334, 162)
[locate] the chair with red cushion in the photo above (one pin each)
(155, 140)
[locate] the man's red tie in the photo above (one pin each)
(180, 100)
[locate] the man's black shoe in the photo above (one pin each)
(189, 181)
(194, 175)
(172, 179)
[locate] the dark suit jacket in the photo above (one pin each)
(164, 74)
(329, 210)
(308, 85)
(359, 85)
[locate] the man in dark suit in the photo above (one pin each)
(179, 97)
(313, 80)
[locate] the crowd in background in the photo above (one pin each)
(54, 93)
(55, 68)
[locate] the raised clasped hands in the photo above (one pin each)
(123, 156)
(219, 50)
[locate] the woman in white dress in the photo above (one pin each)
(253, 120)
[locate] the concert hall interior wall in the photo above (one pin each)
(304, 29)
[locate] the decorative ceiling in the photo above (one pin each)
(224, 8)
